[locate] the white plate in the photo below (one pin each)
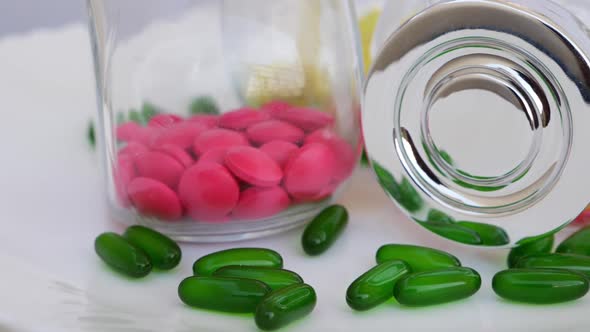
(53, 208)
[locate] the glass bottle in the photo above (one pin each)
(475, 115)
(225, 119)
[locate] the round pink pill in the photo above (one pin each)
(242, 118)
(307, 119)
(123, 174)
(133, 132)
(279, 151)
(177, 153)
(216, 155)
(209, 121)
(257, 203)
(253, 166)
(218, 138)
(181, 134)
(153, 198)
(275, 106)
(159, 166)
(274, 130)
(208, 191)
(345, 153)
(133, 149)
(323, 194)
(309, 171)
(164, 120)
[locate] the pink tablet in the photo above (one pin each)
(153, 198)
(208, 191)
(253, 166)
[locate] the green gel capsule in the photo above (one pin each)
(136, 116)
(284, 306)
(537, 246)
(206, 265)
(232, 295)
(148, 111)
(436, 287)
(418, 258)
(490, 235)
(91, 135)
(164, 253)
(324, 229)
(577, 263)
(204, 105)
(439, 217)
(578, 243)
(403, 193)
(122, 256)
(364, 159)
(376, 285)
(274, 278)
(454, 232)
(540, 286)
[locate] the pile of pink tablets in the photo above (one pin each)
(246, 164)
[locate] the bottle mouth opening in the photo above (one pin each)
(496, 111)
(482, 107)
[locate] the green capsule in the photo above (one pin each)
(148, 111)
(223, 294)
(204, 105)
(206, 265)
(164, 253)
(439, 217)
(122, 255)
(136, 116)
(454, 232)
(404, 193)
(90, 134)
(284, 306)
(537, 246)
(490, 235)
(376, 285)
(324, 229)
(556, 261)
(418, 258)
(540, 286)
(274, 278)
(436, 287)
(578, 243)
(364, 159)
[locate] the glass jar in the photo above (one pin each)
(226, 120)
(476, 115)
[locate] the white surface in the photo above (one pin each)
(53, 208)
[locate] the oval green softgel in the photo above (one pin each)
(436, 287)
(223, 294)
(324, 229)
(454, 232)
(204, 105)
(578, 243)
(418, 258)
(376, 285)
(164, 253)
(274, 278)
(490, 235)
(540, 286)
(538, 246)
(284, 306)
(556, 261)
(122, 255)
(206, 265)
(439, 217)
